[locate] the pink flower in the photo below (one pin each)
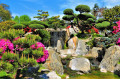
(0, 57)
(16, 38)
(45, 55)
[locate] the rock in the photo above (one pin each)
(103, 70)
(60, 45)
(117, 70)
(95, 51)
(53, 75)
(43, 76)
(80, 64)
(71, 31)
(81, 48)
(54, 62)
(64, 53)
(111, 58)
(28, 33)
(77, 30)
(72, 43)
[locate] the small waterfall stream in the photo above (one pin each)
(56, 35)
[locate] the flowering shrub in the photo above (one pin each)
(116, 28)
(27, 29)
(6, 44)
(39, 45)
(93, 29)
(118, 42)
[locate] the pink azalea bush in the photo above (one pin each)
(116, 28)
(118, 42)
(6, 44)
(39, 45)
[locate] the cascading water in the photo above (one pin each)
(56, 35)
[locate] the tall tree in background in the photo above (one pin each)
(42, 15)
(95, 10)
(24, 18)
(4, 12)
(16, 19)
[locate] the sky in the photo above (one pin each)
(54, 7)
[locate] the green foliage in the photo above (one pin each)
(100, 20)
(4, 13)
(16, 19)
(103, 25)
(18, 26)
(36, 26)
(103, 42)
(38, 52)
(23, 61)
(26, 43)
(9, 56)
(68, 11)
(85, 16)
(55, 22)
(11, 34)
(3, 73)
(24, 18)
(33, 37)
(112, 14)
(44, 34)
(42, 15)
(45, 24)
(90, 20)
(82, 8)
(25, 23)
(6, 25)
(68, 17)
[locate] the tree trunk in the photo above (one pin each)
(18, 73)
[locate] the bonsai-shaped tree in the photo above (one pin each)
(69, 16)
(101, 24)
(84, 17)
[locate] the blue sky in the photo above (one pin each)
(54, 7)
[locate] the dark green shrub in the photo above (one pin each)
(36, 26)
(82, 8)
(19, 26)
(85, 16)
(103, 25)
(68, 11)
(68, 17)
(44, 34)
(25, 23)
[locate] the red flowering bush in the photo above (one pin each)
(93, 29)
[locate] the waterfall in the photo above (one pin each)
(56, 35)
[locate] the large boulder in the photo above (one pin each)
(80, 64)
(72, 43)
(111, 58)
(81, 48)
(54, 62)
(53, 75)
